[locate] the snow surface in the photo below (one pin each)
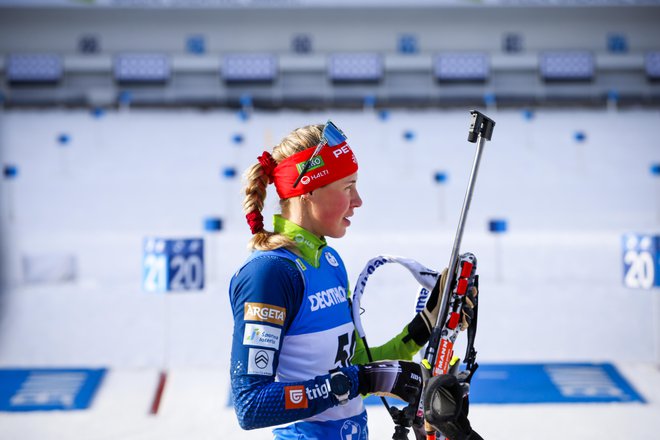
(551, 287)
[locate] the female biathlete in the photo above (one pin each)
(295, 356)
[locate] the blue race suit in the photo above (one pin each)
(292, 326)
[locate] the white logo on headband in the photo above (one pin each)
(308, 178)
(342, 150)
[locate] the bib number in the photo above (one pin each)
(345, 349)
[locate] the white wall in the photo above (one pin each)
(551, 287)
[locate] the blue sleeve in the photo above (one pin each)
(265, 297)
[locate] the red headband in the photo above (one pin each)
(331, 164)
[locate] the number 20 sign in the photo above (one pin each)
(641, 261)
(173, 264)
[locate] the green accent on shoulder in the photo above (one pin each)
(308, 244)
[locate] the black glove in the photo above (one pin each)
(400, 379)
(422, 324)
(446, 407)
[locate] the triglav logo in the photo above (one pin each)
(295, 397)
(322, 391)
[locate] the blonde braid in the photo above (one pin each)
(256, 183)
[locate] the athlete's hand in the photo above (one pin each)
(400, 379)
(420, 327)
(432, 307)
(422, 324)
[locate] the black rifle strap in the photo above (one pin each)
(470, 352)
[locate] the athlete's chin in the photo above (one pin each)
(338, 232)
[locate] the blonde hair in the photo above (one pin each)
(256, 183)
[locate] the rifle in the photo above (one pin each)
(462, 272)
(461, 277)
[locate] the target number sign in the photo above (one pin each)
(171, 265)
(641, 261)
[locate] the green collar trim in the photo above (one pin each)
(308, 244)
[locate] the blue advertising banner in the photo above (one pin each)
(546, 383)
(47, 389)
(551, 383)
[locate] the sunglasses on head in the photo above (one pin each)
(332, 136)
